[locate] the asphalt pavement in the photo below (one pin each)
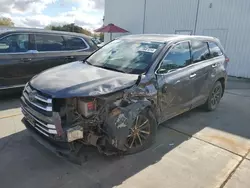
(194, 150)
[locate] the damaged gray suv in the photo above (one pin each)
(116, 98)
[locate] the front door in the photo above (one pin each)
(174, 81)
(15, 59)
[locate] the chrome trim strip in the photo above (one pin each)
(43, 100)
(11, 87)
(49, 126)
(37, 128)
(48, 108)
(42, 132)
(50, 131)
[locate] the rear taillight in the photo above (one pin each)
(227, 60)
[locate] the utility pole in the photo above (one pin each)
(144, 16)
(196, 16)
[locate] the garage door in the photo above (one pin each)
(218, 33)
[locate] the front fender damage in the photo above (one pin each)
(105, 121)
(120, 120)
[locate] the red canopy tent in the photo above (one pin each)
(111, 28)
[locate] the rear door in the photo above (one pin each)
(77, 48)
(201, 70)
(16, 56)
(207, 58)
(50, 48)
(218, 63)
(174, 81)
(55, 49)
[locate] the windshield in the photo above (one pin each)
(128, 56)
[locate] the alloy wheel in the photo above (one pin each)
(139, 133)
(215, 96)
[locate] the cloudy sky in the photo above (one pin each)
(40, 13)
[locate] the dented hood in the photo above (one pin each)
(80, 79)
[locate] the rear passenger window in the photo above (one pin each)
(215, 51)
(49, 42)
(75, 43)
(15, 43)
(200, 51)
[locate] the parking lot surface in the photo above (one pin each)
(196, 149)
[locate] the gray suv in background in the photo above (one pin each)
(116, 98)
(27, 52)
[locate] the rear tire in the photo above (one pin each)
(142, 133)
(214, 97)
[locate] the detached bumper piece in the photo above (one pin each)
(61, 149)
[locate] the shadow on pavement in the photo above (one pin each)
(31, 165)
(10, 99)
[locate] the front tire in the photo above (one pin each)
(214, 97)
(143, 132)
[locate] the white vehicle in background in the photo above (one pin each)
(98, 42)
(101, 44)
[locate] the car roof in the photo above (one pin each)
(167, 37)
(4, 29)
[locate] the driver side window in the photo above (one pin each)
(179, 56)
(15, 43)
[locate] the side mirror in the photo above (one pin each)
(4, 46)
(166, 66)
(161, 70)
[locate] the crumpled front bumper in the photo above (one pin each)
(61, 149)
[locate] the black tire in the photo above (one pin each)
(214, 97)
(149, 139)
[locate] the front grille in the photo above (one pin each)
(38, 100)
(39, 125)
(33, 103)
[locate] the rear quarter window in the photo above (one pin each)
(215, 50)
(200, 51)
(75, 43)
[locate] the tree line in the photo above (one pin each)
(67, 27)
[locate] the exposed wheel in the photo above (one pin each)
(214, 97)
(142, 133)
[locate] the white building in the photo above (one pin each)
(228, 20)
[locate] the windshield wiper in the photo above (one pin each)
(87, 62)
(109, 68)
(104, 67)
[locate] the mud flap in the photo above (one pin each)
(120, 120)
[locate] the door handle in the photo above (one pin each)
(192, 75)
(70, 57)
(26, 60)
(214, 65)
